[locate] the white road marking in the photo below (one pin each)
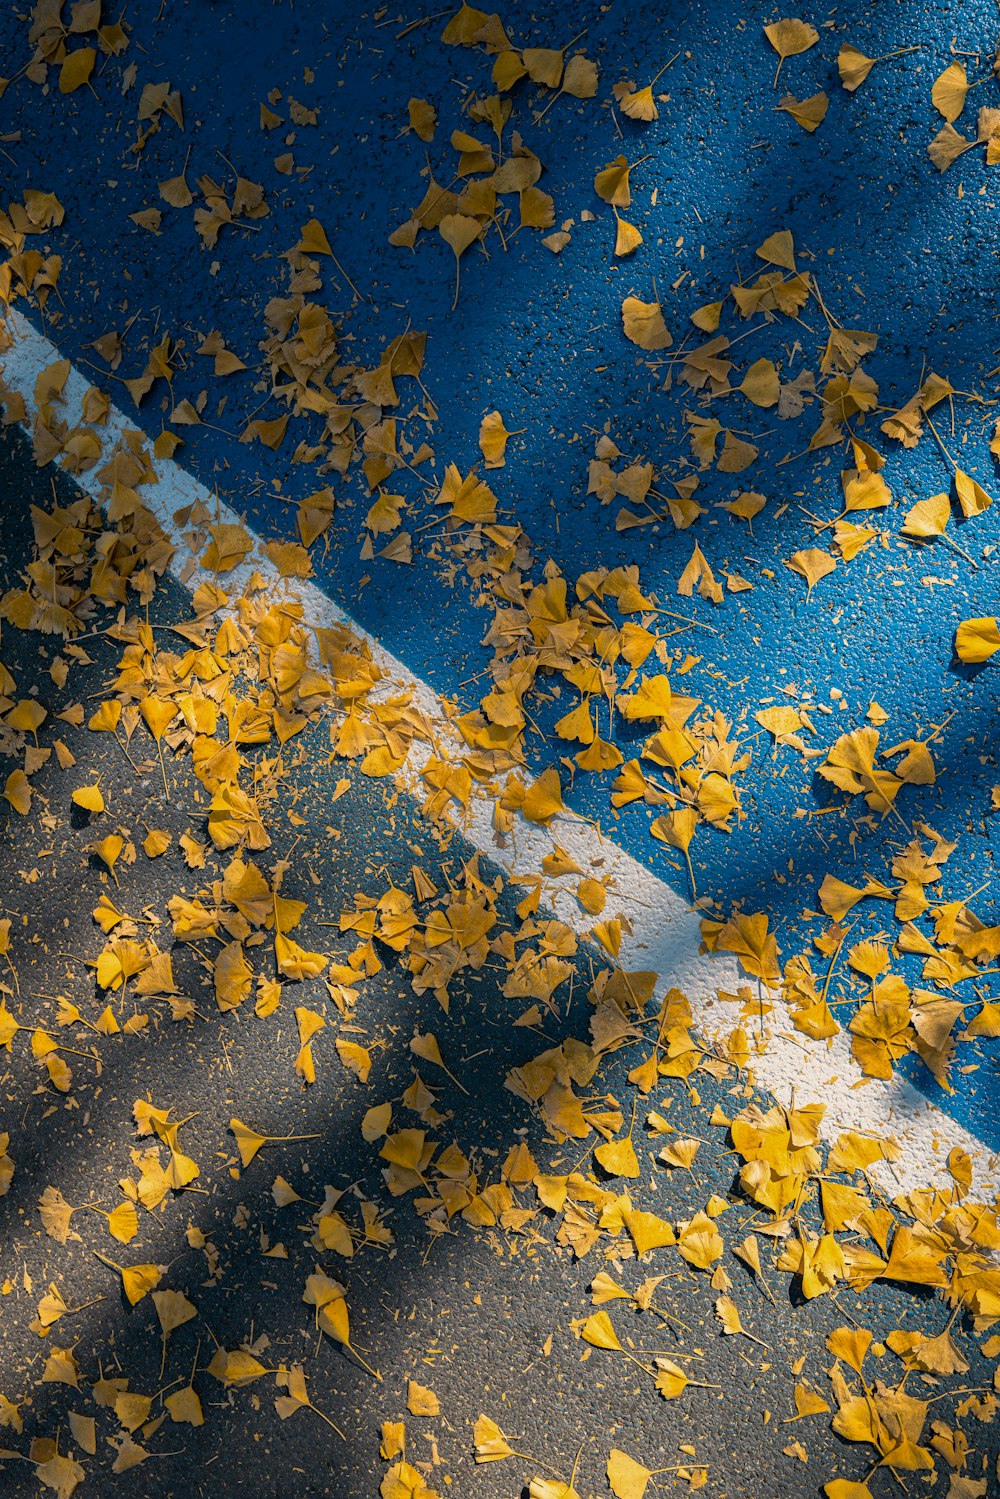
(665, 934)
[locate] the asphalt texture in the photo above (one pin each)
(482, 1317)
(898, 249)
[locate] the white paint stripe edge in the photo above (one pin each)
(665, 929)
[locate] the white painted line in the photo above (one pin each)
(665, 929)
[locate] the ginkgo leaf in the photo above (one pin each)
(618, 1157)
(778, 249)
(971, 496)
(627, 237)
(928, 518)
(949, 90)
(544, 65)
(947, 146)
(89, 798)
(421, 1401)
(76, 69)
(626, 1477)
(173, 1309)
(760, 384)
(422, 118)
(490, 1443)
(789, 38)
(679, 1153)
(643, 324)
(598, 1330)
(850, 1344)
(235, 1367)
(313, 239)
(728, 1314)
(580, 77)
(249, 1142)
(459, 231)
(639, 105)
(137, 1280)
(809, 113)
(612, 184)
(123, 1223)
(109, 850)
(977, 640)
(17, 791)
(493, 437)
(808, 1403)
(185, 1407)
(811, 564)
(671, 1381)
(853, 66)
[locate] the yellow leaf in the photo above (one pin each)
(808, 1402)
(639, 104)
(580, 77)
(109, 849)
(789, 38)
(850, 1344)
(490, 1442)
(778, 249)
(89, 798)
(357, 1059)
(626, 1477)
(811, 564)
(173, 1309)
(421, 1401)
(543, 798)
(157, 715)
(971, 496)
(947, 146)
(760, 383)
(612, 185)
(18, 792)
(627, 237)
(618, 1157)
(729, 1315)
(313, 240)
(928, 518)
(376, 1121)
(76, 69)
(138, 1281)
(599, 1332)
(648, 1231)
(459, 231)
(422, 118)
(949, 90)
(185, 1406)
(123, 1223)
(294, 962)
(248, 1141)
(679, 1153)
(107, 717)
(977, 640)
(235, 1368)
(643, 324)
(493, 437)
(809, 113)
(912, 1261)
(671, 1381)
(853, 66)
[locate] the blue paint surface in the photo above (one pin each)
(898, 249)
